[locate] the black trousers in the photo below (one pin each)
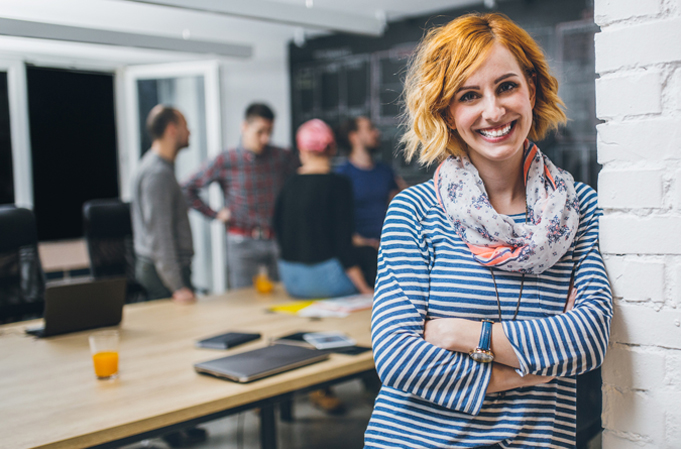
(147, 276)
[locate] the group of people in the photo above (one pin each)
(275, 215)
(490, 293)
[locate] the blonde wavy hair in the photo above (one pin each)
(445, 59)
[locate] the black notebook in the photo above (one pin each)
(227, 341)
(252, 365)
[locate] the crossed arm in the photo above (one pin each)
(462, 335)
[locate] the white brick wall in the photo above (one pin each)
(638, 95)
(630, 189)
(644, 44)
(626, 9)
(635, 141)
(632, 94)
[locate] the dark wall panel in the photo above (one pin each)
(6, 172)
(73, 146)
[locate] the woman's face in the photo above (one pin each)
(492, 111)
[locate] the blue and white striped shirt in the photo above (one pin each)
(434, 398)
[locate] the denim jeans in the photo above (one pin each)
(321, 280)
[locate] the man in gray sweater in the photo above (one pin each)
(163, 237)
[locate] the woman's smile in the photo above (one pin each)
(497, 134)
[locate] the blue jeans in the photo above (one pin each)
(321, 280)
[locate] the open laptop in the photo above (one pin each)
(79, 306)
(256, 364)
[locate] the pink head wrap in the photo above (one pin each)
(314, 135)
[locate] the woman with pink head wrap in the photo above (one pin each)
(315, 136)
(313, 222)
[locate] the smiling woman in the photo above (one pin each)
(491, 295)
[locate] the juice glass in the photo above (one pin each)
(104, 350)
(261, 281)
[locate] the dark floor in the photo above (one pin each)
(311, 428)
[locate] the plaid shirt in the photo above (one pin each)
(249, 182)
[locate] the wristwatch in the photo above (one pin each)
(483, 353)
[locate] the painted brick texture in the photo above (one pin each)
(643, 44)
(639, 145)
(627, 189)
(634, 94)
(626, 9)
(636, 141)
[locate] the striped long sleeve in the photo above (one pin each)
(574, 342)
(432, 398)
(404, 360)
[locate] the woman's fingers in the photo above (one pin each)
(505, 378)
(532, 380)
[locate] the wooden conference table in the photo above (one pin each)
(50, 398)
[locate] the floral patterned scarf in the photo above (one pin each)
(495, 239)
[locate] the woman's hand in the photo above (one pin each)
(357, 279)
(358, 240)
(505, 378)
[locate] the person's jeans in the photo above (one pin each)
(147, 276)
(245, 255)
(321, 280)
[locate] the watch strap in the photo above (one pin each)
(486, 335)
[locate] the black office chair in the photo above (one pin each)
(108, 233)
(22, 281)
(589, 407)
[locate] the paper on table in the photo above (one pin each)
(291, 308)
(327, 308)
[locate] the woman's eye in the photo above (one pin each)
(505, 87)
(468, 96)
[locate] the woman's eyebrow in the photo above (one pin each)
(503, 77)
(496, 81)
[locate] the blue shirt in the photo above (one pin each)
(434, 398)
(371, 190)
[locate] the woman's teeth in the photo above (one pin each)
(498, 132)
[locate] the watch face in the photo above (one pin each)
(480, 355)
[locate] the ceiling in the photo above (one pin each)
(224, 28)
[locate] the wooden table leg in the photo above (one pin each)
(268, 427)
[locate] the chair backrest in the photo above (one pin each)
(22, 281)
(108, 232)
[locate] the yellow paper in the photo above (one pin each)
(291, 308)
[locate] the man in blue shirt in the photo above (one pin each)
(374, 184)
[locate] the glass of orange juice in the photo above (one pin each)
(104, 350)
(262, 281)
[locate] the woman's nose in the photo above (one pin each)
(493, 110)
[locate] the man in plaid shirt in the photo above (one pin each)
(250, 176)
